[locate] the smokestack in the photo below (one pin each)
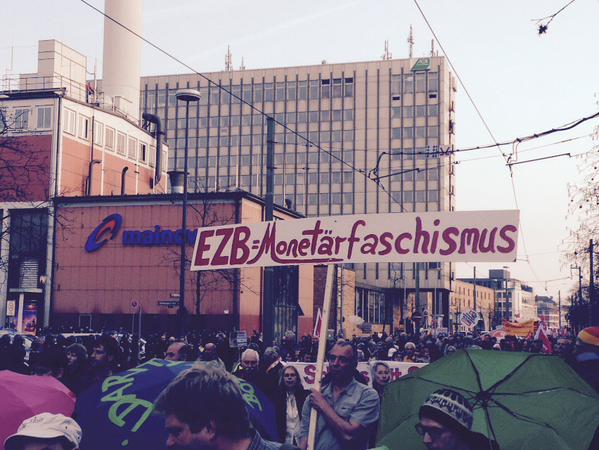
(122, 56)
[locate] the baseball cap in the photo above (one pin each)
(47, 426)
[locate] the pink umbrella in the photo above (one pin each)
(24, 396)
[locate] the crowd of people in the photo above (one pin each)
(348, 407)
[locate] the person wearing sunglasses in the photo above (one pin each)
(347, 410)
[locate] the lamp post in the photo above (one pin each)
(187, 96)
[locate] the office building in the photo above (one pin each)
(377, 132)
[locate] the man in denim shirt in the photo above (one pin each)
(347, 410)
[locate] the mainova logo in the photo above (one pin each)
(106, 231)
(152, 237)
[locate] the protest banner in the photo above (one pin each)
(398, 369)
(469, 318)
(522, 329)
(454, 236)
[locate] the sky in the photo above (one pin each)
(521, 82)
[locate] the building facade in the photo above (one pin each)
(472, 297)
(549, 312)
(376, 134)
(97, 279)
(515, 299)
(55, 143)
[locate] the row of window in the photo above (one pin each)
(371, 305)
(414, 83)
(23, 118)
(234, 121)
(258, 139)
(263, 92)
(417, 132)
(408, 112)
(112, 140)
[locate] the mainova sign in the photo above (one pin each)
(489, 236)
(110, 228)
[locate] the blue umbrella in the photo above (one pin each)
(117, 413)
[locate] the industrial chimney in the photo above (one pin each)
(122, 56)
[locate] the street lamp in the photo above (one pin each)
(187, 96)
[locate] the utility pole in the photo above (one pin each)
(591, 280)
(559, 309)
(267, 304)
(475, 289)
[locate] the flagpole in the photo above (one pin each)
(322, 347)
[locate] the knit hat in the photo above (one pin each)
(589, 336)
(450, 408)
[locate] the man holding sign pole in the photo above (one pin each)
(347, 410)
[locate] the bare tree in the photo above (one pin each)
(203, 214)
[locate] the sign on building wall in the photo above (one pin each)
(474, 236)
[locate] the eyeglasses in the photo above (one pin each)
(434, 432)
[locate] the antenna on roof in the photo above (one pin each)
(387, 55)
(411, 42)
(228, 60)
(434, 51)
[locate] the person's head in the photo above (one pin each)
(342, 362)
(76, 355)
(178, 351)
(410, 348)
(250, 359)
(189, 423)
(381, 373)
(45, 432)
(104, 350)
(587, 341)
(290, 378)
(210, 352)
(51, 362)
(445, 421)
(563, 345)
(270, 356)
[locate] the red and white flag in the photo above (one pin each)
(541, 335)
(317, 324)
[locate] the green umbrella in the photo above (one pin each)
(520, 400)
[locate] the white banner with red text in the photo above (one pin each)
(397, 369)
(442, 236)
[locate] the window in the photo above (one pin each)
(395, 84)
(370, 305)
(98, 133)
(143, 152)
(21, 118)
(44, 117)
(348, 87)
(132, 150)
(433, 110)
(109, 138)
(325, 88)
(121, 140)
(337, 87)
(70, 117)
(83, 127)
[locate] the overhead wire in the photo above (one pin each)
(486, 125)
(308, 141)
